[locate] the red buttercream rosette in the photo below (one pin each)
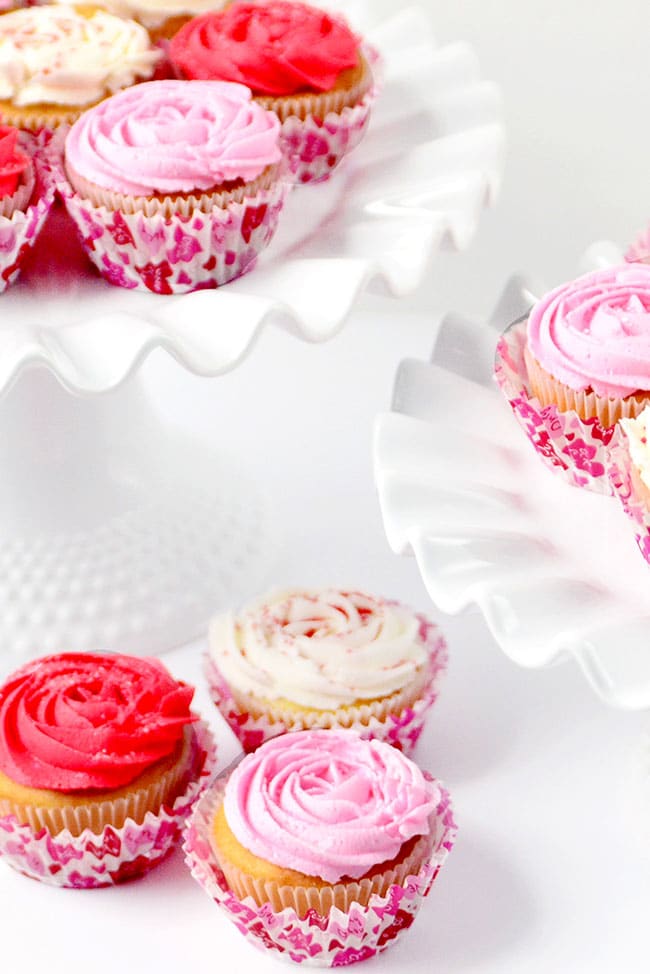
(277, 48)
(82, 721)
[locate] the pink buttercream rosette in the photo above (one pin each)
(402, 729)
(116, 855)
(174, 239)
(335, 940)
(573, 448)
(19, 232)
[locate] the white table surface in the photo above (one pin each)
(551, 869)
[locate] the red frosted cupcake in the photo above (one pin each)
(16, 173)
(300, 62)
(101, 759)
(26, 196)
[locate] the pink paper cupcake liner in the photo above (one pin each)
(177, 254)
(335, 940)
(315, 146)
(573, 448)
(401, 730)
(88, 861)
(19, 232)
(624, 488)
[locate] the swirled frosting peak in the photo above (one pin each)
(276, 48)
(319, 648)
(327, 803)
(61, 55)
(173, 137)
(85, 721)
(594, 332)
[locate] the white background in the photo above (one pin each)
(551, 870)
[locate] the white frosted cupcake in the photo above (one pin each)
(303, 659)
(57, 60)
(162, 18)
(629, 474)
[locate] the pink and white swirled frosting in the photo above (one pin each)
(173, 137)
(319, 648)
(594, 332)
(327, 803)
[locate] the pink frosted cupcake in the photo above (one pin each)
(26, 197)
(174, 185)
(579, 364)
(321, 845)
(328, 658)
(302, 63)
(101, 759)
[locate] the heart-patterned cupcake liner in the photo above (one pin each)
(335, 940)
(116, 855)
(400, 726)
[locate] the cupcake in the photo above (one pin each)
(579, 364)
(174, 185)
(629, 474)
(303, 658)
(302, 63)
(57, 60)
(26, 197)
(162, 18)
(101, 759)
(16, 173)
(321, 845)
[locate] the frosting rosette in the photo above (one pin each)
(86, 721)
(321, 649)
(276, 48)
(594, 332)
(60, 55)
(327, 803)
(175, 137)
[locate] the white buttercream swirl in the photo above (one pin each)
(322, 649)
(57, 55)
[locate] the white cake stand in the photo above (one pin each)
(122, 533)
(555, 570)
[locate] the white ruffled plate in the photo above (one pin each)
(554, 570)
(429, 163)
